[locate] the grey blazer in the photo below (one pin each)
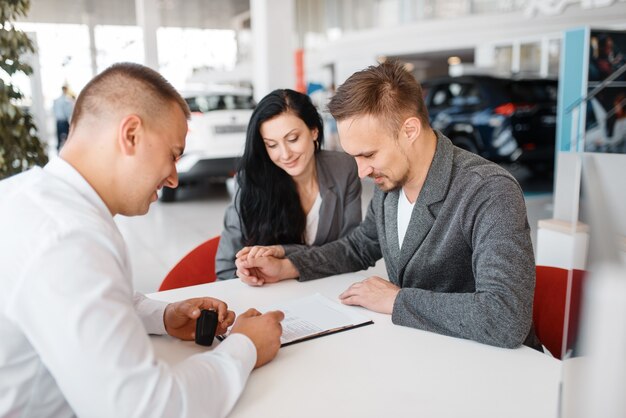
(340, 211)
(466, 268)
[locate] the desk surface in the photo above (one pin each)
(381, 370)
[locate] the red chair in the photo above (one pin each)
(550, 304)
(197, 267)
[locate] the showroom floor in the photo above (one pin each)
(159, 239)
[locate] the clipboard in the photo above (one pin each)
(315, 316)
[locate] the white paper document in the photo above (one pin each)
(315, 315)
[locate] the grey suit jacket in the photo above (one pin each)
(340, 211)
(466, 267)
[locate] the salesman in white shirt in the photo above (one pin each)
(73, 335)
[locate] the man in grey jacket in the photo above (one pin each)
(451, 226)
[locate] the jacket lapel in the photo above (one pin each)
(391, 231)
(329, 204)
(434, 190)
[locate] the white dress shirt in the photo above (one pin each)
(312, 221)
(73, 335)
(405, 210)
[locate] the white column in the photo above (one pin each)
(148, 19)
(273, 41)
(563, 241)
(37, 108)
(89, 17)
(515, 57)
(93, 52)
(545, 56)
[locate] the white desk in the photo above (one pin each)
(380, 370)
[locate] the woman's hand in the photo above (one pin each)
(276, 251)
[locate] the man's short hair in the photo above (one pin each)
(386, 91)
(128, 86)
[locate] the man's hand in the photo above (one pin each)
(180, 317)
(261, 251)
(264, 331)
(256, 271)
(373, 293)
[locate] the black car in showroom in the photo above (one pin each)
(503, 120)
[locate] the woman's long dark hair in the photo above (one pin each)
(270, 207)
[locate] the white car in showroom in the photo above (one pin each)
(216, 136)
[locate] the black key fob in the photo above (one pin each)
(206, 324)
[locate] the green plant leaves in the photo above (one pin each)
(12, 9)
(13, 44)
(20, 147)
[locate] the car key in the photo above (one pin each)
(206, 325)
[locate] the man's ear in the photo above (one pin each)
(412, 129)
(131, 129)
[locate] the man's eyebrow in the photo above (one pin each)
(363, 154)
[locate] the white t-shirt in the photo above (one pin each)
(405, 209)
(74, 334)
(313, 220)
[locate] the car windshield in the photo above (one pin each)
(210, 102)
(535, 91)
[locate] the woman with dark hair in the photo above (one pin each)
(290, 193)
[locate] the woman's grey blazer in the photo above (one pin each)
(340, 212)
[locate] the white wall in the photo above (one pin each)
(612, 172)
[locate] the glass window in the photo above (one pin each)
(535, 91)
(501, 6)
(503, 58)
(471, 94)
(554, 53)
(455, 89)
(234, 101)
(117, 44)
(449, 8)
(440, 96)
(465, 94)
(220, 102)
(455, 94)
(530, 57)
(387, 13)
(184, 52)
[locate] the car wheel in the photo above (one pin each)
(168, 194)
(465, 143)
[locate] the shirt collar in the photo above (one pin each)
(64, 171)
